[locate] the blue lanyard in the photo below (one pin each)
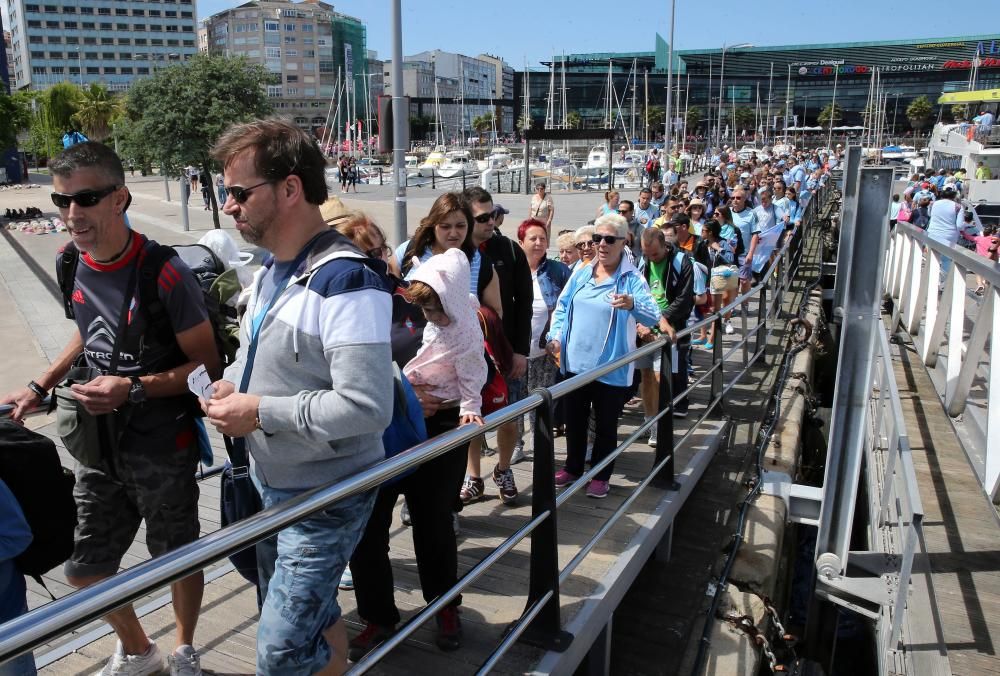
(258, 321)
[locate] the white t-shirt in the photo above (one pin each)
(539, 318)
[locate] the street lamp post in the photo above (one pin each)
(79, 65)
(722, 77)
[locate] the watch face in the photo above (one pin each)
(137, 393)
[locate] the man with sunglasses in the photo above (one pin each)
(311, 389)
(516, 296)
(140, 397)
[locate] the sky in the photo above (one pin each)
(530, 31)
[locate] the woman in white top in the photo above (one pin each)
(542, 208)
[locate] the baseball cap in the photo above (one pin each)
(499, 209)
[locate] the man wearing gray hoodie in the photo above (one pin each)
(311, 388)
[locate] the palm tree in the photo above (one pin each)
(482, 123)
(574, 120)
(96, 111)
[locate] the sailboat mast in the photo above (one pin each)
(788, 94)
(833, 105)
(634, 87)
(770, 81)
(645, 106)
(562, 96)
(687, 94)
(550, 112)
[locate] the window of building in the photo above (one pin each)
(55, 55)
(74, 70)
(291, 52)
(273, 92)
(34, 39)
(58, 70)
(139, 27)
(307, 41)
(142, 70)
(326, 66)
(272, 26)
(108, 56)
(88, 25)
(154, 12)
(87, 10)
(69, 9)
(32, 8)
(70, 24)
(121, 11)
(272, 52)
(104, 11)
(171, 28)
(93, 70)
(188, 43)
(170, 14)
(90, 56)
(38, 55)
(309, 67)
(253, 40)
(51, 9)
(156, 42)
(289, 27)
(125, 41)
(309, 91)
(122, 26)
(290, 40)
(90, 41)
(52, 24)
(108, 70)
(307, 28)
(70, 40)
(253, 53)
(187, 15)
(34, 23)
(291, 78)
(288, 12)
(173, 42)
(140, 42)
(155, 27)
(309, 53)
(107, 41)
(292, 91)
(291, 66)
(38, 70)
(272, 39)
(126, 70)
(106, 26)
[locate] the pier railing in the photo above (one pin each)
(540, 623)
(956, 332)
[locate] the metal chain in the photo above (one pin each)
(745, 624)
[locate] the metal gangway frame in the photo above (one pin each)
(540, 624)
(933, 313)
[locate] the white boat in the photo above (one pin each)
(597, 158)
(412, 165)
(499, 158)
(456, 164)
(433, 161)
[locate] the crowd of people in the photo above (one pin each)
(458, 308)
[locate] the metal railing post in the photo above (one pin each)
(665, 425)
(761, 319)
(717, 362)
(545, 631)
(848, 230)
(433, 178)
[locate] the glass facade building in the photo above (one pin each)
(107, 41)
(797, 79)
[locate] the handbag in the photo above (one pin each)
(91, 438)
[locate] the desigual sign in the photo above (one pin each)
(829, 70)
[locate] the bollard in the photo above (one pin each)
(665, 425)
(498, 182)
(433, 176)
(463, 179)
(380, 176)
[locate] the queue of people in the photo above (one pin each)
(458, 308)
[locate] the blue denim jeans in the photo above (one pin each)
(301, 599)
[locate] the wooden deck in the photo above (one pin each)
(960, 561)
(227, 628)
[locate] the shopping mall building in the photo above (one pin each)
(799, 79)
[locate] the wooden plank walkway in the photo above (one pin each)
(227, 628)
(960, 558)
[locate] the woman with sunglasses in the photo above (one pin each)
(542, 207)
(696, 212)
(603, 299)
(584, 246)
(448, 225)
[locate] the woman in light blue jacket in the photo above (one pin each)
(594, 323)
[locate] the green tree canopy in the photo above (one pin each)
(419, 126)
(176, 116)
(744, 117)
(15, 115)
(574, 120)
(693, 119)
(831, 114)
(919, 112)
(655, 117)
(96, 111)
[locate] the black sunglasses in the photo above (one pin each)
(484, 218)
(608, 239)
(241, 195)
(84, 198)
(583, 245)
(379, 251)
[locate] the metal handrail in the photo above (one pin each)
(925, 309)
(58, 617)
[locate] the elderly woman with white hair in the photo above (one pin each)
(594, 322)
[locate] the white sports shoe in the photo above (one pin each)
(184, 662)
(728, 328)
(120, 664)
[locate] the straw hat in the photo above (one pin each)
(334, 211)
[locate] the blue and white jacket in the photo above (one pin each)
(619, 328)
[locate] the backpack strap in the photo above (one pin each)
(66, 276)
(155, 257)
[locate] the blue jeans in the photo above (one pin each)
(22, 665)
(301, 599)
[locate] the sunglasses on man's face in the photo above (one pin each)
(241, 195)
(84, 198)
(607, 239)
(483, 218)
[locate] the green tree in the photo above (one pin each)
(693, 119)
(919, 112)
(655, 117)
(51, 117)
(482, 124)
(176, 116)
(419, 126)
(96, 111)
(15, 115)
(959, 111)
(573, 120)
(830, 115)
(744, 117)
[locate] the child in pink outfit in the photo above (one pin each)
(986, 246)
(451, 359)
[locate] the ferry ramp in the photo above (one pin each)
(541, 579)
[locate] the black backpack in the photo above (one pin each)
(207, 268)
(30, 466)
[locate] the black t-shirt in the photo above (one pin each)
(99, 295)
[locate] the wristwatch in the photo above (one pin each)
(136, 393)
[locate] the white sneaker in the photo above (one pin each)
(652, 438)
(518, 454)
(184, 662)
(120, 664)
(727, 326)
